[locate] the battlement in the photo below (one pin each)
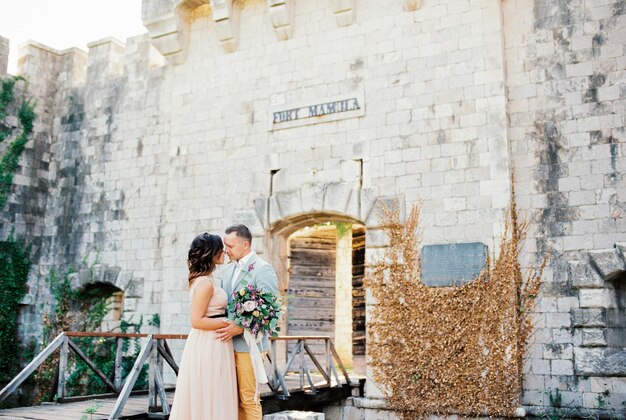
(4, 55)
(168, 21)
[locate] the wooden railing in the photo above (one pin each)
(277, 377)
(155, 351)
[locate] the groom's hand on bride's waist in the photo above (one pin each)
(228, 332)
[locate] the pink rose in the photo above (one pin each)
(249, 306)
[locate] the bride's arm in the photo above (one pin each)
(200, 302)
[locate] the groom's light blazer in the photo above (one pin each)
(263, 277)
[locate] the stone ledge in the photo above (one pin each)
(588, 317)
(606, 261)
(600, 362)
(294, 415)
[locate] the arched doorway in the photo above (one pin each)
(321, 260)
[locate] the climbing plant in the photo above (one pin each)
(14, 253)
(26, 118)
(15, 263)
(84, 309)
(460, 350)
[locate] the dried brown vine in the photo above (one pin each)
(436, 350)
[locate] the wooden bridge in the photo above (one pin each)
(302, 381)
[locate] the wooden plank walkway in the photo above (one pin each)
(135, 406)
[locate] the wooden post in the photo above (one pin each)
(328, 359)
(30, 368)
(317, 364)
(91, 365)
(62, 369)
(161, 391)
(131, 379)
(159, 357)
(340, 364)
(302, 367)
(152, 366)
(119, 354)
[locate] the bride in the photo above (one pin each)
(206, 388)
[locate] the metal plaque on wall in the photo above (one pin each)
(452, 264)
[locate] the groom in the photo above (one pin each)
(244, 263)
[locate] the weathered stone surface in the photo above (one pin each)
(226, 18)
(606, 261)
(411, 5)
(593, 337)
(312, 195)
(281, 13)
(600, 361)
(289, 203)
(337, 196)
(134, 289)
(588, 317)
(294, 415)
(249, 218)
(261, 207)
(344, 11)
(583, 275)
(4, 55)
(123, 279)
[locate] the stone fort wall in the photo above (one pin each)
(141, 145)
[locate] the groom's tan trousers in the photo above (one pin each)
(249, 409)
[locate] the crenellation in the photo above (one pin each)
(4, 55)
(105, 59)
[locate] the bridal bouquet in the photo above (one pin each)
(255, 310)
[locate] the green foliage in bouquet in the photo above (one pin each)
(256, 310)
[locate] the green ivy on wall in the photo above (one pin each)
(14, 254)
(15, 263)
(26, 117)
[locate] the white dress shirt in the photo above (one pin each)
(241, 264)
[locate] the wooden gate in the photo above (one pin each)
(311, 293)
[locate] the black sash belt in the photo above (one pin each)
(224, 315)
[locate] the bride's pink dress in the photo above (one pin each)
(206, 388)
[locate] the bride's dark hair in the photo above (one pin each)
(204, 250)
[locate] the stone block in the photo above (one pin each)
(110, 274)
(368, 200)
(123, 279)
(281, 13)
(594, 298)
(105, 59)
(589, 361)
(226, 18)
(606, 261)
(593, 337)
(274, 210)
(344, 11)
(134, 288)
(337, 196)
(558, 320)
(588, 317)
(289, 203)
(583, 275)
(557, 351)
(621, 248)
(250, 219)
(312, 196)
(294, 415)
(562, 367)
(260, 206)
(168, 27)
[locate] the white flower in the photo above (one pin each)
(249, 306)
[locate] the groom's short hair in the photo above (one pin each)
(241, 230)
